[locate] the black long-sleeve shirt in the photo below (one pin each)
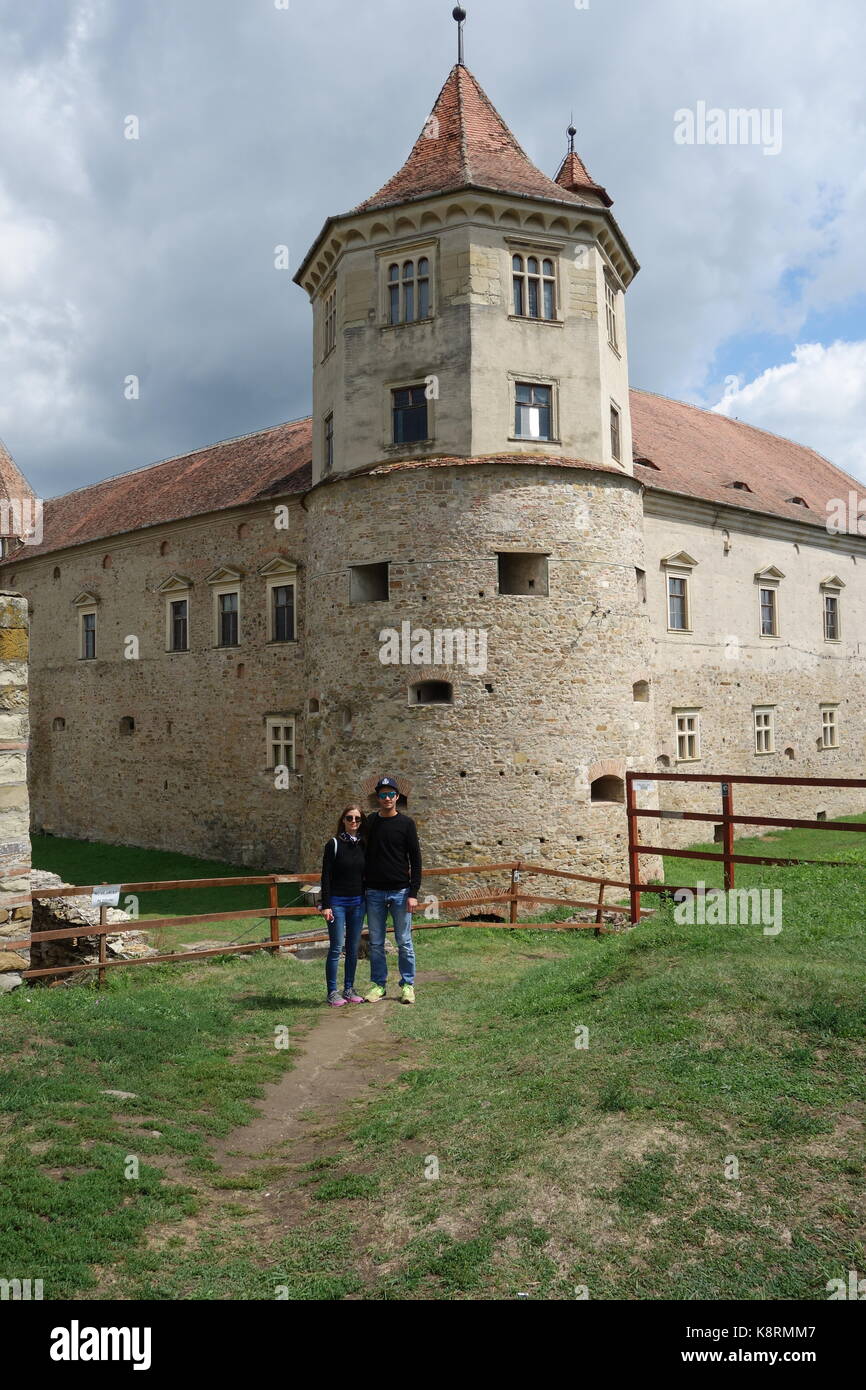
(393, 853)
(342, 870)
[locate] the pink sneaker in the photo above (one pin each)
(335, 999)
(351, 997)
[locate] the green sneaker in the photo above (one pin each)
(376, 993)
(407, 994)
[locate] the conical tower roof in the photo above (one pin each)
(13, 484)
(574, 176)
(466, 144)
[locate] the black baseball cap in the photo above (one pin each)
(388, 783)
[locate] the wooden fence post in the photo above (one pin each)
(515, 880)
(274, 903)
(599, 910)
(103, 943)
(728, 834)
(633, 856)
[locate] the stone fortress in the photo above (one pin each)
(485, 565)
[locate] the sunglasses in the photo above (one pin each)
(386, 796)
(351, 818)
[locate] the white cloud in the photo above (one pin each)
(818, 399)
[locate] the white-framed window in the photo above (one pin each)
(227, 610)
(679, 616)
(831, 605)
(534, 411)
(765, 728)
(176, 592)
(829, 726)
(688, 731)
(329, 322)
(534, 286)
(280, 731)
(611, 296)
(769, 611)
(87, 634)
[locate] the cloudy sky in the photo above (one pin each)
(257, 118)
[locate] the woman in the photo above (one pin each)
(343, 903)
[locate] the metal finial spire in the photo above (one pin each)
(460, 15)
(571, 134)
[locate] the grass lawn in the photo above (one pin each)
(707, 1144)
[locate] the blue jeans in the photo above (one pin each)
(379, 900)
(346, 927)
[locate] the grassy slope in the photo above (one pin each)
(559, 1167)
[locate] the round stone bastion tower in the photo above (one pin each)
(474, 577)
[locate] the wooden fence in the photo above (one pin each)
(514, 897)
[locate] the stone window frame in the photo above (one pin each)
(769, 579)
(681, 713)
(831, 588)
(611, 309)
(516, 379)
(226, 580)
(176, 589)
(328, 320)
(829, 722)
(328, 443)
(764, 732)
(544, 250)
(86, 605)
(424, 248)
(281, 721)
(616, 415)
(679, 566)
(280, 573)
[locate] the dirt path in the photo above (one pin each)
(349, 1052)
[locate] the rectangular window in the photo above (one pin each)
(765, 732)
(281, 742)
(523, 574)
(769, 613)
(409, 298)
(829, 727)
(410, 415)
(283, 613)
(229, 611)
(369, 583)
(533, 411)
(688, 737)
(88, 636)
(615, 446)
(534, 279)
(178, 625)
(640, 576)
(610, 297)
(328, 460)
(831, 617)
(329, 323)
(678, 603)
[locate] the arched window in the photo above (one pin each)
(59, 723)
(409, 291)
(534, 287)
(127, 724)
(607, 789)
(641, 691)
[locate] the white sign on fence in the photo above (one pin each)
(643, 786)
(106, 895)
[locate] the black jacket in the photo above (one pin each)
(342, 870)
(393, 853)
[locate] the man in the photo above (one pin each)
(393, 880)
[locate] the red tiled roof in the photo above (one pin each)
(699, 453)
(695, 453)
(276, 460)
(465, 143)
(574, 176)
(13, 484)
